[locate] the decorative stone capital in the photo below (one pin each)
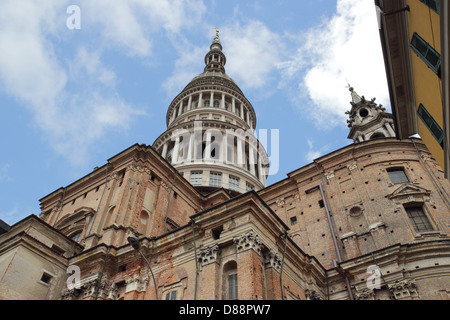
(88, 289)
(248, 240)
(137, 282)
(209, 255)
(312, 295)
(403, 288)
(273, 260)
(367, 294)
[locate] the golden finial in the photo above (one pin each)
(217, 32)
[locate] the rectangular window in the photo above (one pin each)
(196, 178)
(430, 56)
(293, 221)
(397, 175)
(215, 179)
(431, 124)
(433, 4)
(418, 219)
(232, 287)
(233, 183)
(172, 295)
(249, 187)
(46, 278)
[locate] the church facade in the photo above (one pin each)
(192, 218)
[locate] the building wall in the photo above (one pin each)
(28, 251)
(250, 245)
(427, 84)
(367, 210)
(136, 193)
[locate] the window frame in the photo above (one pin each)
(76, 236)
(235, 185)
(423, 55)
(397, 169)
(413, 220)
(214, 181)
(428, 4)
(422, 112)
(232, 288)
(170, 294)
(198, 179)
(293, 220)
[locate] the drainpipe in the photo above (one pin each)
(349, 289)
(391, 296)
(101, 274)
(429, 172)
(99, 202)
(333, 235)
(282, 265)
(196, 261)
(61, 207)
(168, 201)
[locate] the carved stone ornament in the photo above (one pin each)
(312, 295)
(137, 282)
(273, 260)
(209, 255)
(88, 289)
(329, 175)
(280, 202)
(403, 288)
(248, 240)
(367, 294)
(352, 166)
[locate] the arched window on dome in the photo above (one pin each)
(206, 104)
(216, 104)
(377, 135)
(76, 236)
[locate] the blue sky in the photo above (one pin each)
(73, 98)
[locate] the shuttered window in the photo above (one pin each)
(431, 124)
(430, 56)
(433, 4)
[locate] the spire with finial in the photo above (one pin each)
(367, 120)
(215, 59)
(355, 97)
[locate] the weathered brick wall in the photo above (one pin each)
(356, 178)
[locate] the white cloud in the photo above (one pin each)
(74, 100)
(252, 51)
(314, 153)
(344, 48)
(130, 25)
(4, 173)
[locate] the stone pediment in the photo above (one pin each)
(411, 191)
